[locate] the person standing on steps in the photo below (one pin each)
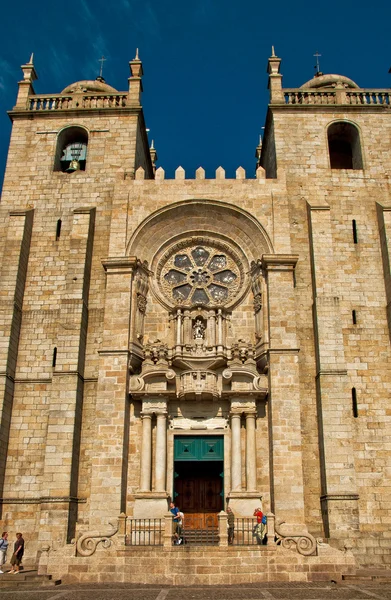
(18, 554)
(4, 543)
(260, 527)
(231, 526)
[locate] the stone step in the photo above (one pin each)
(379, 575)
(26, 578)
(203, 537)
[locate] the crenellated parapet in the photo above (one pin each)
(220, 175)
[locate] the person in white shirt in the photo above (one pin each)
(3, 548)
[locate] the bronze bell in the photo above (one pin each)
(74, 165)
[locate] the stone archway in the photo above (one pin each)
(199, 217)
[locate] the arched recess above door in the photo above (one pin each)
(205, 217)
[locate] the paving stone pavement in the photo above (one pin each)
(270, 591)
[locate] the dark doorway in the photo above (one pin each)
(198, 491)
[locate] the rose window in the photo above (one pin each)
(200, 274)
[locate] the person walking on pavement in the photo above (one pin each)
(18, 554)
(4, 543)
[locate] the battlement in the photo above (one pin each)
(200, 174)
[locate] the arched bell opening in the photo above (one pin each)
(344, 146)
(71, 150)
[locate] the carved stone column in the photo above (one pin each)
(251, 459)
(146, 453)
(161, 452)
(152, 503)
(236, 454)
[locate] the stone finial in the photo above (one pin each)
(261, 174)
(220, 173)
(153, 155)
(29, 72)
(200, 173)
(160, 174)
(258, 151)
(180, 173)
(275, 79)
(135, 83)
(26, 88)
(240, 173)
(140, 173)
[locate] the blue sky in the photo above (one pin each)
(205, 83)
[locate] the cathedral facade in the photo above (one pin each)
(216, 342)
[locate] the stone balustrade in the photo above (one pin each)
(80, 101)
(360, 97)
(292, 96)
(371, 97)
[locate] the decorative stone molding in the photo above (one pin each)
(305, 543)
(154, 406)
(155, 381)
(87, 543)
(183, 423)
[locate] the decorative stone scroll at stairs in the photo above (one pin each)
(102, 555)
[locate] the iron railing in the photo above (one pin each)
(144, 532)
(245, 533)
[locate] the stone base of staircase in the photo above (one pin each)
(26, 578)
(197, 565)
(375, 575)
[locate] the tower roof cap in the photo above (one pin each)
(330, 81)
(87, 85)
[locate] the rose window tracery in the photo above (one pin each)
(200, 274)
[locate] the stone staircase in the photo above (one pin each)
(375, 575)
(27, 578)
(201, 537)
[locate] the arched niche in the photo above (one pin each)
(344, 146)
(71, 149)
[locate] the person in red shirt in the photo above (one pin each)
(260, 527)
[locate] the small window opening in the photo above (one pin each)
(354, 229)
(71, 151)
(344, 146)
(58, 229)
(354, 317)
(354, 403)
(54, 359)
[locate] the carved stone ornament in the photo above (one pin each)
(305, 543)
(257, 302)
(87, 543)
(141, 303)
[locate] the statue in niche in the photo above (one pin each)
(198, 330)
